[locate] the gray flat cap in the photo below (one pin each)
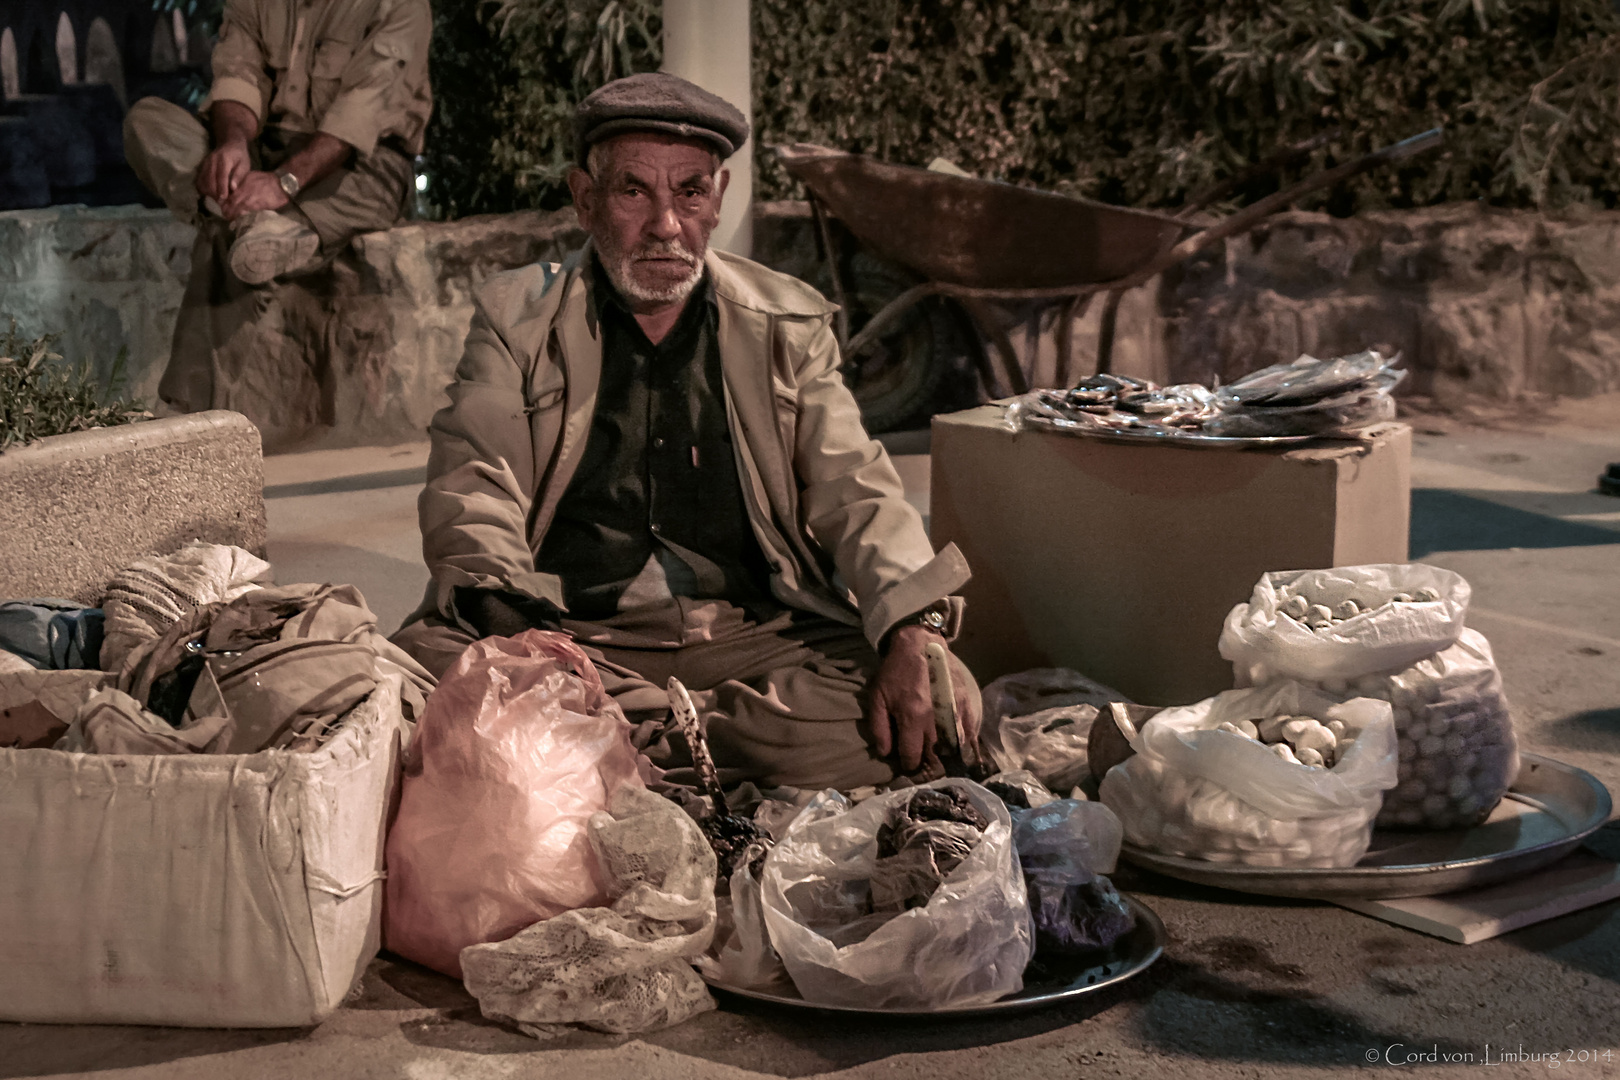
(656, 101)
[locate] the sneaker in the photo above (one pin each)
(270, 245)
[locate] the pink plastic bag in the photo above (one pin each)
(518, 746)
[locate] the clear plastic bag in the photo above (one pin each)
(742, 955)
(1458, 751)
(967, 946)
(516, 749)
(1198, 792)
(1065, 847)
(1040, 721)
(625, 968)
(1264, 643)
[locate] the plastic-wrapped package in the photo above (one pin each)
(518, 746)
(1065, 847)
(625, 968)
(1019, 790)
(742, 954)
(1405, 644)
(1203, 793)
(967, 946)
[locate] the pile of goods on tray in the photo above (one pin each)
(1364, 700)
(1308, 397)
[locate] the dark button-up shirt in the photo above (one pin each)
(658, 480)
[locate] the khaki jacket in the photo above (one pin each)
(354, 69)
(823, 498)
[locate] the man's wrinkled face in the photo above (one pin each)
(650, 202)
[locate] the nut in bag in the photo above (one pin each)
(1194, 790)
(968, 944)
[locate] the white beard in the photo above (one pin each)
(619, 267)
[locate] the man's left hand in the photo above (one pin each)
(257, 191)
(902, 704)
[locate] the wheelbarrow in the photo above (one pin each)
(980, 241)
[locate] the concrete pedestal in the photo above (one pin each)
(1122, 559)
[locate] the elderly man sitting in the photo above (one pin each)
(651, 448)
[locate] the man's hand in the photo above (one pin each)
(902, 707)
(223, 170)
(257, 191)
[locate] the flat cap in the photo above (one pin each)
(658, 101)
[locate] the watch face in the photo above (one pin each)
(289, 184)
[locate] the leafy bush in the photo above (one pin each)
(40, 396)
(507, 75)
(1145, 104)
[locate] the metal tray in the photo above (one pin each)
(1130, 955)
(1167, 437)
(1550, 809)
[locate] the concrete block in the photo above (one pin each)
(75, 509)
(1122, 560)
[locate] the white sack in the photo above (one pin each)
(1198, 792)
(1265, 644)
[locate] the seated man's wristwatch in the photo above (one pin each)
(290, 184)
(935, 617)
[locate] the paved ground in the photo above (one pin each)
(1248, 988)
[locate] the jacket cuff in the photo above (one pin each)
(938, 579)
(242, 91)
(534, 585)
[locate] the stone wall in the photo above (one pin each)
(1482, 303)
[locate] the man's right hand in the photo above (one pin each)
(223, 169)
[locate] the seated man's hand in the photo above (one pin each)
(223, 170)
(257, 191)
(902, 703)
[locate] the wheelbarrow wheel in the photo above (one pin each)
(922, 366)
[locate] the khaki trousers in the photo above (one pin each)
(781, 700)
(216, 347)
(166, 145)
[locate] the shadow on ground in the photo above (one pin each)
(1462, 521)
(53, 1049)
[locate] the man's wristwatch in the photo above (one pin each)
(289, 183)
(935, 617)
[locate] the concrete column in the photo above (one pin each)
(707, 42)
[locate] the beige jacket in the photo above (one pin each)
(354, 69)
(824, 500)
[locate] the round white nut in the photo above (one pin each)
(1337, 728)
(1347, 609)
(1313, 758)
(1282, 751)
(1270, 729)
(1427, 595)
(1247, 728)
(1316, 737)
(1294, 607)
(1318, 613)
(1402, 598)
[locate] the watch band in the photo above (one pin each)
(289, 183)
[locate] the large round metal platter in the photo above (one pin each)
(1130, 955)
(1166, 437)
(1551, 808)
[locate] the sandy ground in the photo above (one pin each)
(1248, 987)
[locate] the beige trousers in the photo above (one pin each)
(782, 701)
(215, 346)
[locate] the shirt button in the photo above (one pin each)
(658, 442)
(655, 527)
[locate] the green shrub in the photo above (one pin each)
(1145, 104)
(39, 396)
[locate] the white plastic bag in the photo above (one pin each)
(1194, 791)
(1265, 644)
(742, 955)
(968, 945)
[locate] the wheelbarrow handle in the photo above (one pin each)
(1253, 214)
